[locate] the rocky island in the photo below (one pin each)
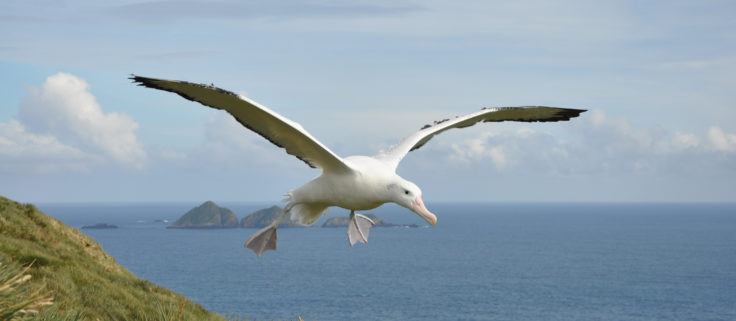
(99, 226)
(342, 221)
(262, 218)
(207, 215)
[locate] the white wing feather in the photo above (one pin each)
(278, 129)
(524, 114)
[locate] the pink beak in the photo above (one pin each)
(418, 207)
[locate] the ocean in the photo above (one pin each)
(482, 261)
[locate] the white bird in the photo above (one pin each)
(355, 183)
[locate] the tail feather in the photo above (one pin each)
(287, 197)
(308, 213)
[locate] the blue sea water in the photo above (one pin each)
(492, 261)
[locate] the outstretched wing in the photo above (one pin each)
(524, 114)
(275, 128)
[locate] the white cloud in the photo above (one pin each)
(61, 126)
(64, 106)
(476, 149)
(720, 140)
(228, 143)
(617, 130)
(226, 137)
(596, 144)
(27, 152)
(682, 141)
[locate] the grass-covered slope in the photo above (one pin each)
(79, 275)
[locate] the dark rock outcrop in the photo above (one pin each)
(342, 221)
(99, 226)
(263, 217)
(207, 215)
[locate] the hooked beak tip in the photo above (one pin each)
(420, 209)
(433, 222)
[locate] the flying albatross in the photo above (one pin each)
(355, 183)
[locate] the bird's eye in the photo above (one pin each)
(406, 192)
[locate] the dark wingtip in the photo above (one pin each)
(572, 113)
(142, 81)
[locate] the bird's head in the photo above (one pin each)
(408, 194)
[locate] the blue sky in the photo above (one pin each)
(656, 76)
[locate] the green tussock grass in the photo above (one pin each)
(74, 272)
(19, 301)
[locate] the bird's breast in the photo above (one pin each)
(354, 191)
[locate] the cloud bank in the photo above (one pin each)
(61, 126)
(599, 144)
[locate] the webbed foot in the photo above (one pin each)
(263, 240)
(266, 238)
(359, 228)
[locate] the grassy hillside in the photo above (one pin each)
(79, 275)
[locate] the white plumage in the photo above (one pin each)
(356, 182)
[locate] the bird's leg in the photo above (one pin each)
(266, 238)
(359, 228)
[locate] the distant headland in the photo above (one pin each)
(263, 217)
(210, 215)
(207, 215)
(99, 226)
(342, 221)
